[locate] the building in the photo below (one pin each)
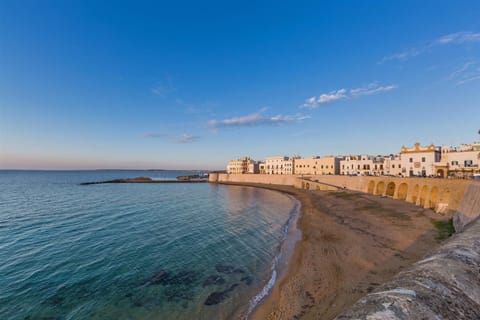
(242, 166)
(419, 161)
(279, 165)
(461, 162)
(393, 165)
(318, 165)
(363, 165)
(261, 167)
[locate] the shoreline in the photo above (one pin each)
(351, 243)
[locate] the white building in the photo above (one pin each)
(462, 161)
(279, 165)
(363, 165)
(419, 161)
(393, 165)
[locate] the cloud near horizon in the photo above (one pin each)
(456, 38)
(342, 94)
(256, 119)
(184, 138)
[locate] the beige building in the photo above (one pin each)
(242, 166)
(318, 165)
(419, 161)
(362, 165)
(279, 165)
(462, 161)
(392, 165)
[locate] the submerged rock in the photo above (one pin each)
(219, 296)
(160, 277)
(184, 277)
(213, 280)
(179, 294)
(247, 280)
(227, 269)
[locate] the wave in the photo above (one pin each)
(294, 213)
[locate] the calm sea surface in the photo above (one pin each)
(135, 251)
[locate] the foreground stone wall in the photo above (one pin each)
(445, 285)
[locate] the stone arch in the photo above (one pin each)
(416, 193)
(380, 188)
(433, 199)
(402, 191)
(371, 187)
(423, 196)
(441, 173)
(318, 187)
(390, 189)
(307, 186)
(445, 196)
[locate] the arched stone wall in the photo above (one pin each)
(415, 194)
(433, 199)
(380, 188)
(402, 191)
(371, 187)
(390, 189)
(444, 196)
(423, 196)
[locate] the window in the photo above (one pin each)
(411, 159)
(423, 159)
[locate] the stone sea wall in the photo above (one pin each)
(459, 199)
(444, 285)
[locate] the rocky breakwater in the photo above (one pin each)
(444, 285)
(180, 179)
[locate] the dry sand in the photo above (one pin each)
(351, 243)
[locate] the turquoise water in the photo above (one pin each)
(135, 251)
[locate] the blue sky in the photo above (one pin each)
(89, 84)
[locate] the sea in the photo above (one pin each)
(138, 251)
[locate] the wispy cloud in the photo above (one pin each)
(184, 138)
(154, 135)
(372, 88)
(468, 72)
(163, 89)
(457, 38)
(331, 96)
(256, 119)
(342, 94)
(403, 55)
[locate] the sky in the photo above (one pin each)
(193, 84)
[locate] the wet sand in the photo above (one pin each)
(351, 243)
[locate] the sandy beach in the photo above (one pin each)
(351, 243)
